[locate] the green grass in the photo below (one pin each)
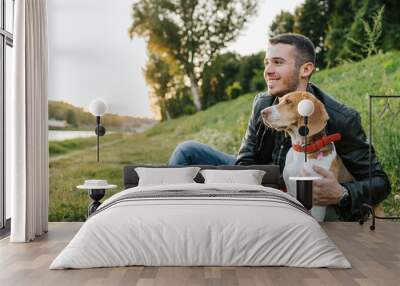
(222, 126)
(351, 84)
(66, 146)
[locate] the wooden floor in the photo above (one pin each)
(374, 255)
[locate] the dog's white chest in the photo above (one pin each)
(293, 166)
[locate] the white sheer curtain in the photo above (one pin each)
(27, 151)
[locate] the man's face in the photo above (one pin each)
(281, 72)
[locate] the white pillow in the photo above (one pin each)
(248, 177)
(165, 176)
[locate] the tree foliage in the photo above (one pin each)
(77, 117)
(341, 15)
(343, 30)
(311, 21)
(251, 65)
(160, 78)
(189, 33)
(283, 23)
(221, 72)
(229, 71)
(226, 77)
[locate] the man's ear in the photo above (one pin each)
(306, 70)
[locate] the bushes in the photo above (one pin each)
(234, 90)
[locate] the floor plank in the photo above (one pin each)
(374, 255)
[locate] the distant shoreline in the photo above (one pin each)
(60, 134)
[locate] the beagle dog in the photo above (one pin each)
(319, 146)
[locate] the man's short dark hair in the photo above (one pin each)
(305, 48)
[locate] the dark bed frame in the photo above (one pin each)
(271, 178)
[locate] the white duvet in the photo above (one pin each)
(200, 231)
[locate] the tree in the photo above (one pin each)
(71, 118)
(391, 25)
(159, 76)
(227, 72)
(217, 76)
(250, 66)
(283, 23)
(257, 83)
(340, 16)
(311, 21)
(190, 32)
(168, 93)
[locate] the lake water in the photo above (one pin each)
(59, 135)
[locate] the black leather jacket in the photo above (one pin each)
(262, 145)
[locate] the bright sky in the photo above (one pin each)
(91, 55)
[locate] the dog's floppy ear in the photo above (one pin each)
(317, 121)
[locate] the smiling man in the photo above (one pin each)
(287, 69)
(289, 64)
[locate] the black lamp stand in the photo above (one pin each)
(96, 195)
(304, 193)
(100, 131)
(304, 189)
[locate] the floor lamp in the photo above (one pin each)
(97, 107)
(369, 207)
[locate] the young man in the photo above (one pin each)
(289, 64)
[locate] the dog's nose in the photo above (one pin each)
(265, 112)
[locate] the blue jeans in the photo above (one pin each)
(195, 153)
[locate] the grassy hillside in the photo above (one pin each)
(223, 126)
(351, 84)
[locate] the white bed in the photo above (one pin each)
(206, 230)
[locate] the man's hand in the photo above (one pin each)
(326, 191)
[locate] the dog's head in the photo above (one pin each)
(285, 117)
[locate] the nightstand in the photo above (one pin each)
(96, 191)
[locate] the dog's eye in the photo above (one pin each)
(288, 101)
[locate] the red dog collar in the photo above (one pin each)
(317, 145)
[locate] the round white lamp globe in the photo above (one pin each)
(97, 107)
(305, 107)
